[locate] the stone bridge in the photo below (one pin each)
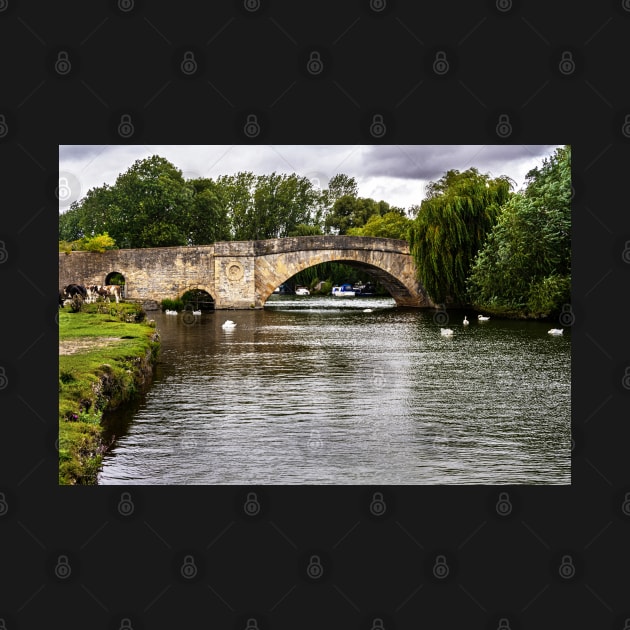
(243, 274)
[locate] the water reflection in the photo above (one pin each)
(311, 391)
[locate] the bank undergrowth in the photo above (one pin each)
(107, 352)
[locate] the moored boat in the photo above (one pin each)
(345, 290)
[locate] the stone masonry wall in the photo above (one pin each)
(151, 273)
(242, 274)
(234, 272)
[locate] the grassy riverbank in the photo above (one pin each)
(106, 355)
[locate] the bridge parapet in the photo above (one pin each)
(328, 242)
(235, 248)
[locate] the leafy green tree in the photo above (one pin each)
(151, 198)
(390, 225)
(340, 218)
(342, 185)
(450, 228)
(146, 207)
(206, 218)
(237, 195)
(92, 215)
(282, 202)
(524, 269)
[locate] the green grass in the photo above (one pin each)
(96, 378)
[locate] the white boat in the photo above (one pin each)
(170, 312)
(302, 291)
(345, 290)
(555, 331)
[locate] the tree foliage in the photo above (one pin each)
(98, 243)
(390, 225)
(524, 268)
(349, 214)
(151, 204)
(451, 226)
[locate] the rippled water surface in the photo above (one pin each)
(319, 391)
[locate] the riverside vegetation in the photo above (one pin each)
(106, 356)
(477, 242)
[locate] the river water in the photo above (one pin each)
(319, 391)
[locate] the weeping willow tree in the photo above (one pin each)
(450, 228)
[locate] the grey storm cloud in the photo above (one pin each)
(430, 162)
(395, 173)
(78, 152)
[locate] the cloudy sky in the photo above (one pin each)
(397, 174)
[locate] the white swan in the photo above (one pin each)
(228, 323)
(555, 331)
(446, 332)
(465, 322)
(169, 312)
(196, 312)
(482, 318)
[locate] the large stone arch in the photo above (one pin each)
(391, 264)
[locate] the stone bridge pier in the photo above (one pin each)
(243, 274)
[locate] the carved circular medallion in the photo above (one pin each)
(235, 271)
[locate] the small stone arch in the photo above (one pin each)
(198, 297)
(117, 278)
